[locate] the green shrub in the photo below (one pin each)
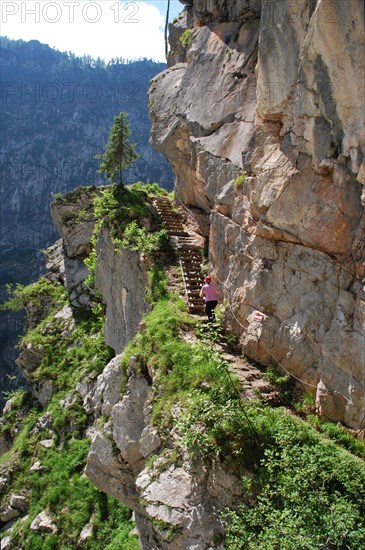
(339, 434)
(284, 384)
(186, 38)
(35, 294)
(114, 208)
(311, 493)
(151, 189)
(157, 284)
(239, 181)
(137, 238)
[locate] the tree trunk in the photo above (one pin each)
(166, 27)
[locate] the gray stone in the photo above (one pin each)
(43, 522)
(121, 277)
(86, 388)
(149, 441)
(75, 233)
(6, 542)
(86, 533)
(107, 389)
(106, 469)
(129, 421)
(7, 513)
(55, 262)
(44, 423)
(172, 488)
(47, 443)
(3, 484)
(19, 502)
(30, 357)
(43, 391)
(36, 467)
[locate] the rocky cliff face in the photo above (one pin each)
(176, 505)
(177, 462)
(261, 115)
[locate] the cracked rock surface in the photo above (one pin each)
(275, 92)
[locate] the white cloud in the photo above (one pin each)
(100, 28)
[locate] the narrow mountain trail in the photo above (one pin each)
(188, 250)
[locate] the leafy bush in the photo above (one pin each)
(114, 208)
(137, 238)
(239, 181)
(283, 382)
(157, 284)
(35, 294)
(311, 494)
(151, 189)
(339, 434)
(185, 38)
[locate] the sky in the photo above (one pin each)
(100, 28)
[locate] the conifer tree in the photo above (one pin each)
(119, 152)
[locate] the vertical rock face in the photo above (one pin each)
(274, 92)
(121, 277)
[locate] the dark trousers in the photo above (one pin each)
(209, 310)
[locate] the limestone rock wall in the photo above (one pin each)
(121, 277)
(176, 505)
(274, 91)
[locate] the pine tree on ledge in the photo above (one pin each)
(119, 152)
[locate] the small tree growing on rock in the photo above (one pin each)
(119, 151)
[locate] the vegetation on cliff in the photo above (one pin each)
(301, 488)
(302, 481)
(46, 446)
(45, 462)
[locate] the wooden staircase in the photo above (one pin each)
(190, 258)
(188, 253)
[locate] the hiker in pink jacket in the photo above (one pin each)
(209, 292)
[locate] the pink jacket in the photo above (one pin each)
(210, 292)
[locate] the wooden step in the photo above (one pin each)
(176, 233)
(191, 264)
(189, 254)
(196, 309)
(191, 267)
